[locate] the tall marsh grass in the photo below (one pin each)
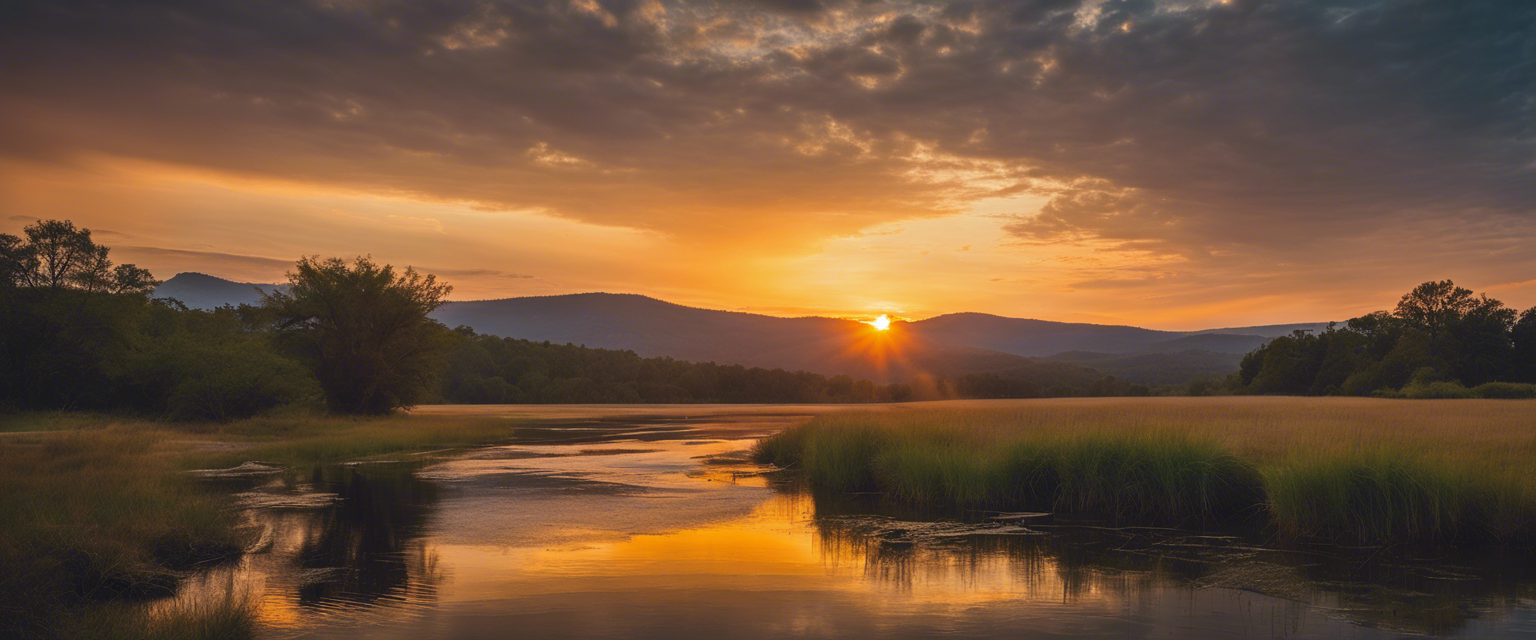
(1162, 477)
(1343, 469)
(229, 618)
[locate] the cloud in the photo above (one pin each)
(183, 259)
(607, 116)
(1235, 136)
(474, 273)
(184, 253)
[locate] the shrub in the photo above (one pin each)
(1436, 390)
(239, 387)
(1504, 390)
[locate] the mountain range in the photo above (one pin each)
(950, 344)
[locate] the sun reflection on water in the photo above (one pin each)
(677, 533)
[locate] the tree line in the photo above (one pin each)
(78, 332)
(485, 369)
(1440, 341)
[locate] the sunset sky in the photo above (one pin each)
(1175, 164)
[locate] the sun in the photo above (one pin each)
(882, 323)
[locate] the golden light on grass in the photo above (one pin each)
(1329, 468)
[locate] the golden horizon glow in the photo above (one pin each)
(155, 216)
(882, 323)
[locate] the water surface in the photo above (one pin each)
(597, 525)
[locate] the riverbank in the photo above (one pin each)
(1341, 469)
(97, 510)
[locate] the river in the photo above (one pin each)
(624, 523)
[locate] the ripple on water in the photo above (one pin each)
(661, 528)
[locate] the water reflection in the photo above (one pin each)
(367, 546)
(657, 528)
(1391, 592)
(351, 544)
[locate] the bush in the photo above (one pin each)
(1505, 390)
(197, 365)
(238, 381)
(1436, 390)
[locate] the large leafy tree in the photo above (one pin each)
(55, 255)
(68, 317)
(363, 329)
(1468, 334)
(1438, 329)
(1523, 335)
(15, 261)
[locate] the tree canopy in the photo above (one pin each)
(78, 333)
(364, 330)
(55, 255)
(485, 369)
(1438, 333)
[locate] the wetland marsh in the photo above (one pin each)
(624, 521)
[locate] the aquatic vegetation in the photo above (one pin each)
(1163, 477)
(230, 618)
(1334, 469)
(1373, 495)
(90, 516)
(95, 508)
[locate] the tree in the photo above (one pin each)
(57, 256)
(1469, 334)
(364, 331)
(127, 278)
(1477, 346)
(1438, 329)
(15, 261)
(1434, 306)
(1523, 336)
(63, 255)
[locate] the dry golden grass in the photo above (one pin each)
(1492, 431)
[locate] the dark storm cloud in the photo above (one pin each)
(1182, 128)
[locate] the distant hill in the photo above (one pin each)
(1026, 337)
(201, 291)
(943, 345)
(1268, 330)
(651, 328)
(1034, 337)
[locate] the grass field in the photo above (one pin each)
(95, 509)
(1352, 469)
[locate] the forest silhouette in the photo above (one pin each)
(355, 337)
(79, 332)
